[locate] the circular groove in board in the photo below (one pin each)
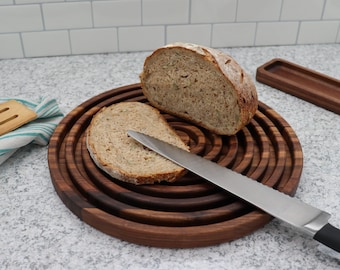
(190, 212)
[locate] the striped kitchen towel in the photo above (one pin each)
(37, 131)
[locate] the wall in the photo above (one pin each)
(33, 28)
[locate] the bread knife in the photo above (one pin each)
(304, 217)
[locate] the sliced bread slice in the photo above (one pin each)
(200, 84)
(121, 156)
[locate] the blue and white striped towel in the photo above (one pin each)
(38, 131)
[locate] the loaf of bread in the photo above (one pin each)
(200, 84)
(121, 156)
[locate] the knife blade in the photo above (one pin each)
(306, 218)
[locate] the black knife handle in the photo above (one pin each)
(329, 236)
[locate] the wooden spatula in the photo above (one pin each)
(13, 114)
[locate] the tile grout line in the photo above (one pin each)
(323, 10)
(22, 45)
(280, 16)
(236, 12)
(211, 34)
(255, 35)
(42, 17)
(338, 34)
(69, 41)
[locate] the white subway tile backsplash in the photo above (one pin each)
(31, 28)
(213, 11)
(318, 32)
(20, 18)
(258, 10)
(116, 13)
(165, 11)
(302, 9)
(94, 40)
(35, 1)
(233, 34)
(67, 15)
(47, 43)
(10, 46)
(6, 2)
(142, 38)
(199, 34)
(332, 10)
(274, 33)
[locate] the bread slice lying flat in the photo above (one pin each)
(121, 156)
(200, 84)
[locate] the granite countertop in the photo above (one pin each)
(37, 231)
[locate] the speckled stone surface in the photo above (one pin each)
(37, 231)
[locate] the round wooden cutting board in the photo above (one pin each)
(190, 212)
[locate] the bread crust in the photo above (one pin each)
(244, 87)
(114, 170)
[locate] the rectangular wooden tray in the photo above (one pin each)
(304, 83)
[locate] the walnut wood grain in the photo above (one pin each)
(190, 212)
(304, 83)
